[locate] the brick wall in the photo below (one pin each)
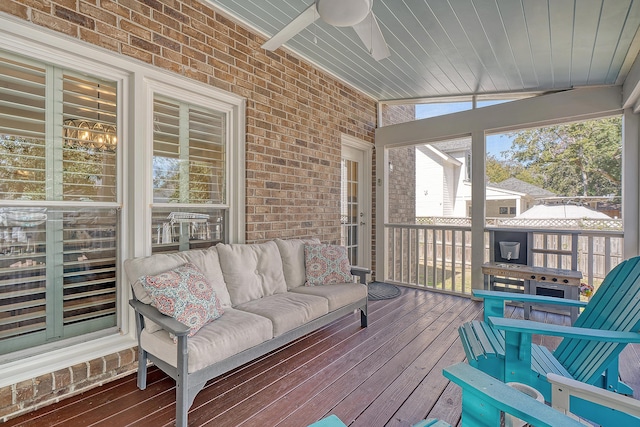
(396, 114)
(295, 114)
(34, 393)
(402, 181)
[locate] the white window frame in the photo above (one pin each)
(134, 80)
(234, 169)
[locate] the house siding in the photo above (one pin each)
(294, 120)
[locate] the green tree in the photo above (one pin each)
(576, 159)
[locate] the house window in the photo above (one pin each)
(504, 210)
(59, 209)
(189, 175)
(512, 210)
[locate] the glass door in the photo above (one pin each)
(354, 216)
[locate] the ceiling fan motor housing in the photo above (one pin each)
(343, 13)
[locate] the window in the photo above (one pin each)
(59, 210)
(189, 175)
(504, 210)
(512, 210)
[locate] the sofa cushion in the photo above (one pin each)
(338, 295)
(326, 264)
(251, 271)
(292, 253)
(288, 310)
(232, 333)
(185, 294)
(206, 260)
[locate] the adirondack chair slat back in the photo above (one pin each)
(615, 307)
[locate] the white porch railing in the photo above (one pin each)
(439, 256)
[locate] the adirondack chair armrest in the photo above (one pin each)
(168, 323)
(494, 301)
(562, 388)
(483, 397)
(529, 327)
(540, 299)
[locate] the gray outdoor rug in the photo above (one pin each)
(380, 290)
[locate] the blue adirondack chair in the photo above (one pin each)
(588, 352)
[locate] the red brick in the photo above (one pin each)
(6, 396)
(141, 44)
(166, 64)
(112, 6)
(111, 362)
(14, 8)
(43, 385)
(74, 17)
(41, 5)
(136, 30)
(62, 378)
(96, 367)
(79, 372)
(98, 14)
(24, 391)
(99, 39)
(8, 410)
(145, 22)
(128, 357)
(54, 23)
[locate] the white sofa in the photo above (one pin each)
(260, 287)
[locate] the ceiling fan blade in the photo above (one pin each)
(301, 22)
(370, 34)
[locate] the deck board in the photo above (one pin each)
(389, 374)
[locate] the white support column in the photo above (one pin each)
(631, 182)
(478, 196)
(382, 212)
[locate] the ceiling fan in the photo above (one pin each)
(339, 13)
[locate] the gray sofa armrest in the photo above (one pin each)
(361, 272)
(168, 323)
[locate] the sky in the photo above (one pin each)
(496, 144)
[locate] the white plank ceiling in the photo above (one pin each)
(461, 47)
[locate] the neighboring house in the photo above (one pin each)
(443, 185)
(528, 195)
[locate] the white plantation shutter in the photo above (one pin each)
(57, 263)
(22, 130)
(188, 153)
(206, 156)
(189, 170)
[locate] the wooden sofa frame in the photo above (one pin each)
(188, 385)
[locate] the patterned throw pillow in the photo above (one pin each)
(185, 294)
(326, 264)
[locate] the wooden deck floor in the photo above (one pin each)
(388, 374)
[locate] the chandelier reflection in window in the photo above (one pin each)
(90, 135)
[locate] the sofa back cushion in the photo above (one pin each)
(292, 253)
(206, 260)
(251, 271)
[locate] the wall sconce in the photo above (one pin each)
(390, 167)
